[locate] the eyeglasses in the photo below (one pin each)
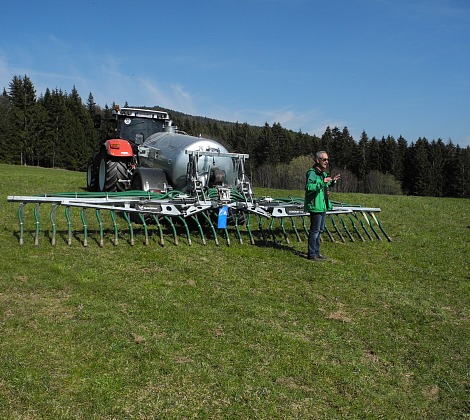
(324, 159)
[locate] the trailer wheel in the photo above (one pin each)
(149, 179)
(136, 183)
(110, 172)
(92, 176)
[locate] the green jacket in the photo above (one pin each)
(316, 191)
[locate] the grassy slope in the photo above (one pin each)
(250, 331)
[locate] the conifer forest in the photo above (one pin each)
(56, 130)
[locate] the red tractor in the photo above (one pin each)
(111, 168)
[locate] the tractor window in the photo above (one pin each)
(138, 129)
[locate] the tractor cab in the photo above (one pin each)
(136, 125)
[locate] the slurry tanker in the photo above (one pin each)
(154, 175)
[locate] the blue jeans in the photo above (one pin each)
(317, 226)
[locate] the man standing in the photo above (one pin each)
(317, 202)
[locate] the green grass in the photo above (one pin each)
(246, 331)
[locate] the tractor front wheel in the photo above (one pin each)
(92, 175)
(111, 173)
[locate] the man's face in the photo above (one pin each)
(323, 161)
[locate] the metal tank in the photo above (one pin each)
(171, 152)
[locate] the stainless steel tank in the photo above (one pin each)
(168, 152)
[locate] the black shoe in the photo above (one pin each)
(317, 258)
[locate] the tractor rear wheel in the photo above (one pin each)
(110, 173)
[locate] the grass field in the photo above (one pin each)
(381, 330)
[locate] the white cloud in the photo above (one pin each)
(310, 122)
(173, 97)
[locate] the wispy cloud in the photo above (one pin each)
(311, 122)
(173, 96)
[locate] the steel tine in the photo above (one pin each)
(207, 217)
(168, 219)
(155, 217)
(284, 230)
(201, 232)
(371, 226)
(271, 229)
(85, 227)
(329, 234)
(188, 235)
(131, 229)
(345, 227)
(355, 228)
(227, 237)
(248, 229)
(144, 225)
(100, 226)
(336, 228)
(21, 222)
(239, 236)
(304, 225)
(295, 229)
(38, 226)
(69, 225)
(363, 226)
(53, 223)
(260, 227)
(115, 227)
(380, 226)
(383, 231)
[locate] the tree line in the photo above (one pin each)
(56, 130)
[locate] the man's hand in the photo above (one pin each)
(328, 179)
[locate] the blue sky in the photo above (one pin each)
(387, 67)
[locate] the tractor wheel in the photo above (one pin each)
(92, 176)
(110, 172)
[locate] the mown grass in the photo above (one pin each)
(247, 331)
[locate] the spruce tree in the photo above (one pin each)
(22, 97)
(361, 168)
(420, 164)
(6, 145)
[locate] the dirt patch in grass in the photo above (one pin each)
(431, 392)
(291, 383)
(51, 306)
(339, 315)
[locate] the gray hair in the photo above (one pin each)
(318, 154)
